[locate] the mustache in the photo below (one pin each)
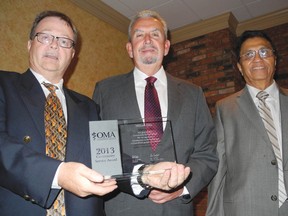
(148, 47)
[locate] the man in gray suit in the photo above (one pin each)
(246, 183)
(122, 97)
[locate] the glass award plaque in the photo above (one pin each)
(118, 145)
(140, 144)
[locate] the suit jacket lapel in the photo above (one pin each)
(175, 99)
(129, 98)
(244, 101)
(34, 99)
(77, 128)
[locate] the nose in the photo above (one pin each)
(257, 57)
(54, 43)
(147, 39)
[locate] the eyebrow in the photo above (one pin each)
(154, 30)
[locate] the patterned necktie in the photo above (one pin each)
(267, 118)
(56, 133)
(153, 120)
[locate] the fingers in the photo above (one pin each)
(160, 196)
(177, 176)
(83, 181)
(92, 175)
(102, 188)
(165, 175)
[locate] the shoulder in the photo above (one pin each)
(231, 99)
(114, 81)
(7, 78)
(182, 82)
(78, 97)
(183, 85)
(283, 91)
(8, 74)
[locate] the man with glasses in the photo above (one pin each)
(44, 143)
(31, 180)
(252, 177)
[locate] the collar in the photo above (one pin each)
(140, 77)
(272, 90)
(42, 79)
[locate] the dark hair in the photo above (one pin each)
(62, 16)
(252, 34)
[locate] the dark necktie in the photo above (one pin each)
(56, 134)
(153, 117)
(267, 118)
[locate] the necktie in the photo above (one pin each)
(56, 133)
(267, 118)
(153, 120)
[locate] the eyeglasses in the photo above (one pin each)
(263, 53)
(48, 39)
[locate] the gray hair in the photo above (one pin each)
(147, 14)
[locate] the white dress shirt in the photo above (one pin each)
(60, 94)
(273, 103)
(161, 87)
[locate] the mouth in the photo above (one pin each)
(148, 49)
(51, 56)
(258, 68)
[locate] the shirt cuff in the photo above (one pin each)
(185, 191)
(55, 180)
(137, 189)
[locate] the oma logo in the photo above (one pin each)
(104, 135)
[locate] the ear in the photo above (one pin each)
(73, 53)
(129, 49)
(240, 68)
(29, 45)
(166, 47)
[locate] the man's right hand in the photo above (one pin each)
(83, 181)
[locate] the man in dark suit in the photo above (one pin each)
(247, 181)
(31, 180)
(26, 172)
(122, 97)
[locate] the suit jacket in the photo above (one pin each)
(246, 183)
(26, 174)
(194, 136)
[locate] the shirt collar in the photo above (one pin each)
(272, 90)
(42, 79)
(140, 76)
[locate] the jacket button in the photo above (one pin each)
(274, 162)
(27, 139)
(274, 198)
(26, 197)
(33, 201)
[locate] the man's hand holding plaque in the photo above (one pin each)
(163, 175)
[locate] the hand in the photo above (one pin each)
(160, 196)
(173, 175)
(83, 181)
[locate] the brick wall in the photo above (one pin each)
(208, 61)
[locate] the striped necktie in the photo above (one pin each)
(56, 133)
(267, 118)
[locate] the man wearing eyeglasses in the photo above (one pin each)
(32, 176)
(252, 126)
(31, 180)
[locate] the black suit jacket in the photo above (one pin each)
(26, 173)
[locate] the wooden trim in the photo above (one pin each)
(217, 23)
(227, 20)
(263, 22)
